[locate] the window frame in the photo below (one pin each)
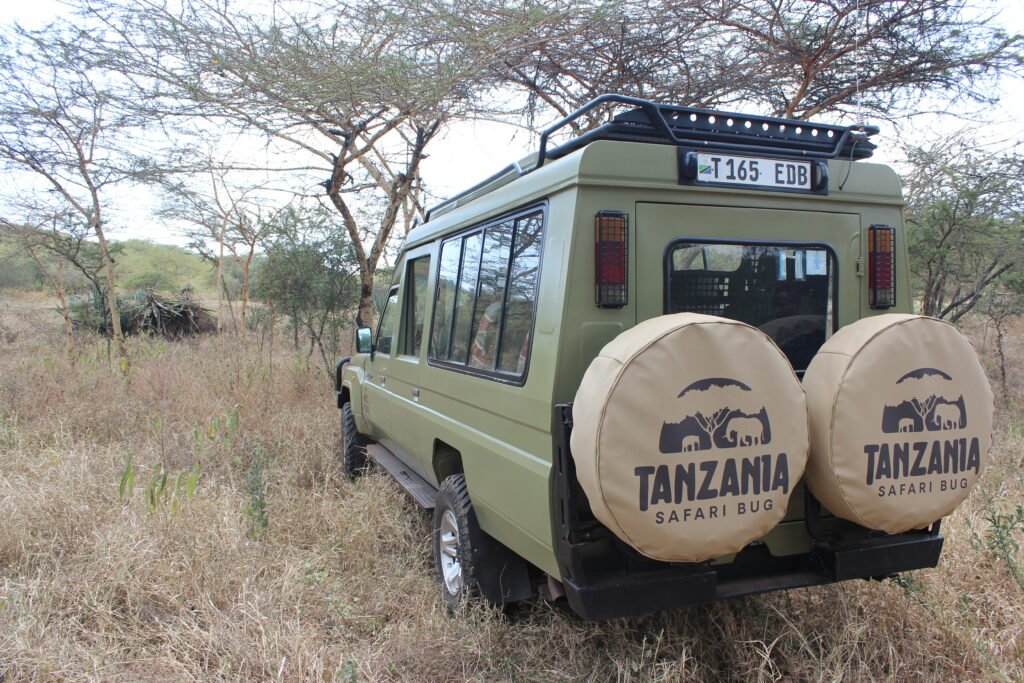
(454, 324)
(393, 290)
(511, 379)
(784, 244)
(408, 315)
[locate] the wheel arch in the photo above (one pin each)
(446, 461)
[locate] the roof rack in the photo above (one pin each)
(688, 127)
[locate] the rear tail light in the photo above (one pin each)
(882, 266)
(611, 254)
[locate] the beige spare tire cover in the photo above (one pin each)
(689, 434)
(901, 421)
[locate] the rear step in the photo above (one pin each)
(415, 485)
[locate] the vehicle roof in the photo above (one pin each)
(644, 166)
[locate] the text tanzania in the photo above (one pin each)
(752, 476)
(892, 461)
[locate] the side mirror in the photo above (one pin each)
(364, 340)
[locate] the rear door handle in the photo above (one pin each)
(416, 395)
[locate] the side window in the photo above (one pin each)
(487, 283)
(466, 297)
(444, 304)
(522, 292)
(483, 350)
(415, 305)
(386, 328)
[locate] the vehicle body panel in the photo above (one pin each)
(504, 432)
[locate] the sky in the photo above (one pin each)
(470, 151)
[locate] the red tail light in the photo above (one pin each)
(611, 254)
(882, 266)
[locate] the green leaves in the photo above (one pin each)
(965, 223)
(257, 481)
(185, 485)
(1000, 537)
(157, 488)
(158, 494)
(126, 483)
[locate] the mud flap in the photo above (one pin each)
(504, 577)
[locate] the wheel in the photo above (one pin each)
(353, 445)
(458, 542)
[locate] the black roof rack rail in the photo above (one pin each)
(697, 128)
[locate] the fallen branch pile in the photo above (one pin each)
(147, 313)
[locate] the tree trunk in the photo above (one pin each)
(245, 295)
(220, 279)
(246, 266)
(365, 315)
(115, 315)
(1001, 355)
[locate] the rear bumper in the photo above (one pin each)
(638, 593)
(604, 578)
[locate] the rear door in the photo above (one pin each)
(792, 274)
(777, 270)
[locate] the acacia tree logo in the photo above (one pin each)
(924, 404)
(721, 413)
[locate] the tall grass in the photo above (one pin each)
(272, 567)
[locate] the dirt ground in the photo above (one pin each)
(254, 560)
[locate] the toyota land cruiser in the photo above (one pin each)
(669, 361)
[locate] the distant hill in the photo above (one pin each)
(165, 268)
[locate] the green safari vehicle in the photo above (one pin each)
(668, 361)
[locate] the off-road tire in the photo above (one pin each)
(352, 445)
(453, 499)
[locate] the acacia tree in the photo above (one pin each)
(793, 58)
(965, 223)
(880, 55)
(353, 90)
(1001, 306)
(226, 217)
(309, 274)
(59, 125)
(54, 246)
(33, 239)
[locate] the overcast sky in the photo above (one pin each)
(468, 152)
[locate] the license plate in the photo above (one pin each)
(722, 169)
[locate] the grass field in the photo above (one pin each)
(270, 566)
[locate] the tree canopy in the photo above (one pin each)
(965, 223)
(348, 98)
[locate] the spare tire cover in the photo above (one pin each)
(689, 434)
(901, 421)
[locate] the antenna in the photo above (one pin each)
(858, 98)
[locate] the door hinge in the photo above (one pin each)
(860, 266)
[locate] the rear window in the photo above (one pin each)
(784, 290)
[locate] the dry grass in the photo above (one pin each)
(333, 581)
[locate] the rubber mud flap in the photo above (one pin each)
(901, 421)
(689, 434)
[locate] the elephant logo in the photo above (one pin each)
(720, 413)
(948, 415)
(745, 431)
(925, 403)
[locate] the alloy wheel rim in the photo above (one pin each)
(448, 547)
